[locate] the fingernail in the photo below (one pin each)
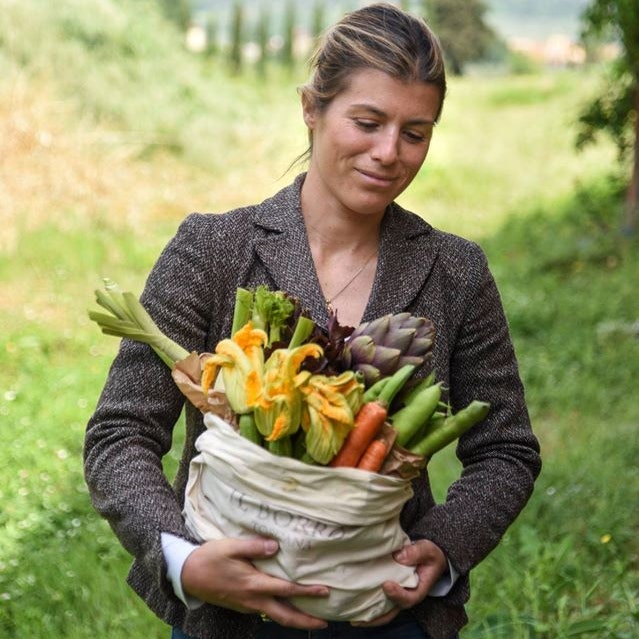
(270, 546)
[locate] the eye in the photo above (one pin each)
(366, 125)
(412, 136)
(416, 137)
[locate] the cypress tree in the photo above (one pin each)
(237, 29)
(262, 38)
(288, 53)
(463, 31)
(178, 11)
(318, 18)
(211, 28)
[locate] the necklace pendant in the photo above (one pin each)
(330, 307)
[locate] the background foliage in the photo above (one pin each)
(616, 111)
(462, 30)
(110, 133)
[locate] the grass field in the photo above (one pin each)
(99, 161)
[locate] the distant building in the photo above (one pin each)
(558, 50)
(196, 38)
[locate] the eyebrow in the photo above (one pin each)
(379, 112)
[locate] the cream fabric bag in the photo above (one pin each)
(335, 526)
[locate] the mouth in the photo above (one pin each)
(377, 178)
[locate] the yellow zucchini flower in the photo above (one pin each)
(278, 412)
(241, 360)
(330, 406)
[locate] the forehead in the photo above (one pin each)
(383, 92)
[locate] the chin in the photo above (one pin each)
(371, 206)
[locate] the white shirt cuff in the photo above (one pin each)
(445, 583)
(176, 550)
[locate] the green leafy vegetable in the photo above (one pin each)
(271, 310)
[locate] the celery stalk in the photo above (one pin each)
(302, 332)
(243, 309)
(127, 317)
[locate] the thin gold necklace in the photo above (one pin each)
(329, 300)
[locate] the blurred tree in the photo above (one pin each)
(288, 47)
(616, 110)
(237, 34)
(262, 37)
(462, 30)
(211, 27)
(318, 18)
(178, 11)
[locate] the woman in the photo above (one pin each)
(336, 240)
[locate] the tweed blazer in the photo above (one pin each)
(190, 293)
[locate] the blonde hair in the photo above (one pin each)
(381, 37)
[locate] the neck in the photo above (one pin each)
(333, 229)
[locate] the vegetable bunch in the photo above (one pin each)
(346, 399)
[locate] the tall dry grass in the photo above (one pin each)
(57, 168)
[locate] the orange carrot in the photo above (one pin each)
(374, 456)
(370, 419)
(368, 423)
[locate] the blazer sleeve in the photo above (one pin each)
(500, 455)
(131, 428)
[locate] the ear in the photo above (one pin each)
(309, 111)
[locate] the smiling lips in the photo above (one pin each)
(384, 180)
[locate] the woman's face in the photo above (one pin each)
(370, 141)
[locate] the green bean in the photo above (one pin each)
(411, 393)
(408, 420)
(395, 384)
(372, 392)
(451, 429)
(435, 421)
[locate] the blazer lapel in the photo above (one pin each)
(407, 253)
(284, 250)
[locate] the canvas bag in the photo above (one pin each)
(335, 526)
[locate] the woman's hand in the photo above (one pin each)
(222, 573)
(430, 564)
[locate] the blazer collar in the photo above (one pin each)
(408, 249)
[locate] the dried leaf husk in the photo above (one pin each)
(187, 375)
(402, 463)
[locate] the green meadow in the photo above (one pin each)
(110, 133)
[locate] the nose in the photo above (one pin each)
(386, 147)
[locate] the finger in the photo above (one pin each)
(379, 621)
(422, 551)
(285, 614)
(409, 597)
(400, 596)
(254, 548)
(407, 555)
(277, 587)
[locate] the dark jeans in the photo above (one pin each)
(403, 627)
